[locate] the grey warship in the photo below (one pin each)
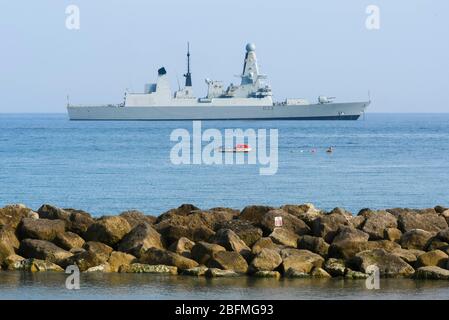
(251, 100)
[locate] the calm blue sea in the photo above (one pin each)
(384, 160)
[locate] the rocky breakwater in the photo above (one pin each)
(223, 242)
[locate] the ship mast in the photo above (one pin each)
(188, 75)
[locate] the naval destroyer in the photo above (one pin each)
(252, 99)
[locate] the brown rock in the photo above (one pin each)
(158, 256)
(43, 250)
(409, 256)
(69, 240)
(244, 229)
(79, 221)
(349, 233)
(228, 260)
(392, 234)
(8, 242)
(389, 264)
(314, 244)
(327, 226)
(431, 273)
(435, 244)
(415, 239)
(103, 250)
(306, 212)
(335, 267)
(357, 221)
(284, 237)
(175, 226)
(12, 262)
(11, 215)
(254, 214)
(376, 222)
(289, 222)
(430, 222)
(231, 241)
(118, 259)
(183, 210)
(263, 243)
(140, 239)
(135, 217)
(300, 260)
(265, 260)
(320, 273)
(203, 251)
(347, 249)
(50, 212)
(86, 260)
(108, 230)
(432, 258)
(41, 229)
(182, 246)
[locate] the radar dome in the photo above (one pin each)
(250, 47)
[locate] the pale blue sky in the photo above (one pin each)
(306, 48)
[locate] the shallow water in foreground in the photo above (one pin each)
(19, 285)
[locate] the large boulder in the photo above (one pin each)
(203, 251)
(68, 240)
(41, 229)
(430, 222)
(409, 256)
(349, 233)
(301, 261)
(389, 264)
(254, 213)
(228, 260)
(11, 215)
(306, 212)
(347, 249)
(415, 239)
(443, 235)
(264, 243)
(44, 250)
(192, 226)
(108, 229)
(244, 229)
(289, 222)
(231, 241)
(314, 244)
(50, 212)
(79, 221)
(86, 260)
(118, 259)
(12, 262)
(135, 217)
(101, 249)
(376, 222)
(284, 237)
(265, 260)
(183, 210)
(432, 258)
(182, 246)
(392, 234)
(431, 273)
(140, 239)
(327, 226)
(158, 256)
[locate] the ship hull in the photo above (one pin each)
(331, 111)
